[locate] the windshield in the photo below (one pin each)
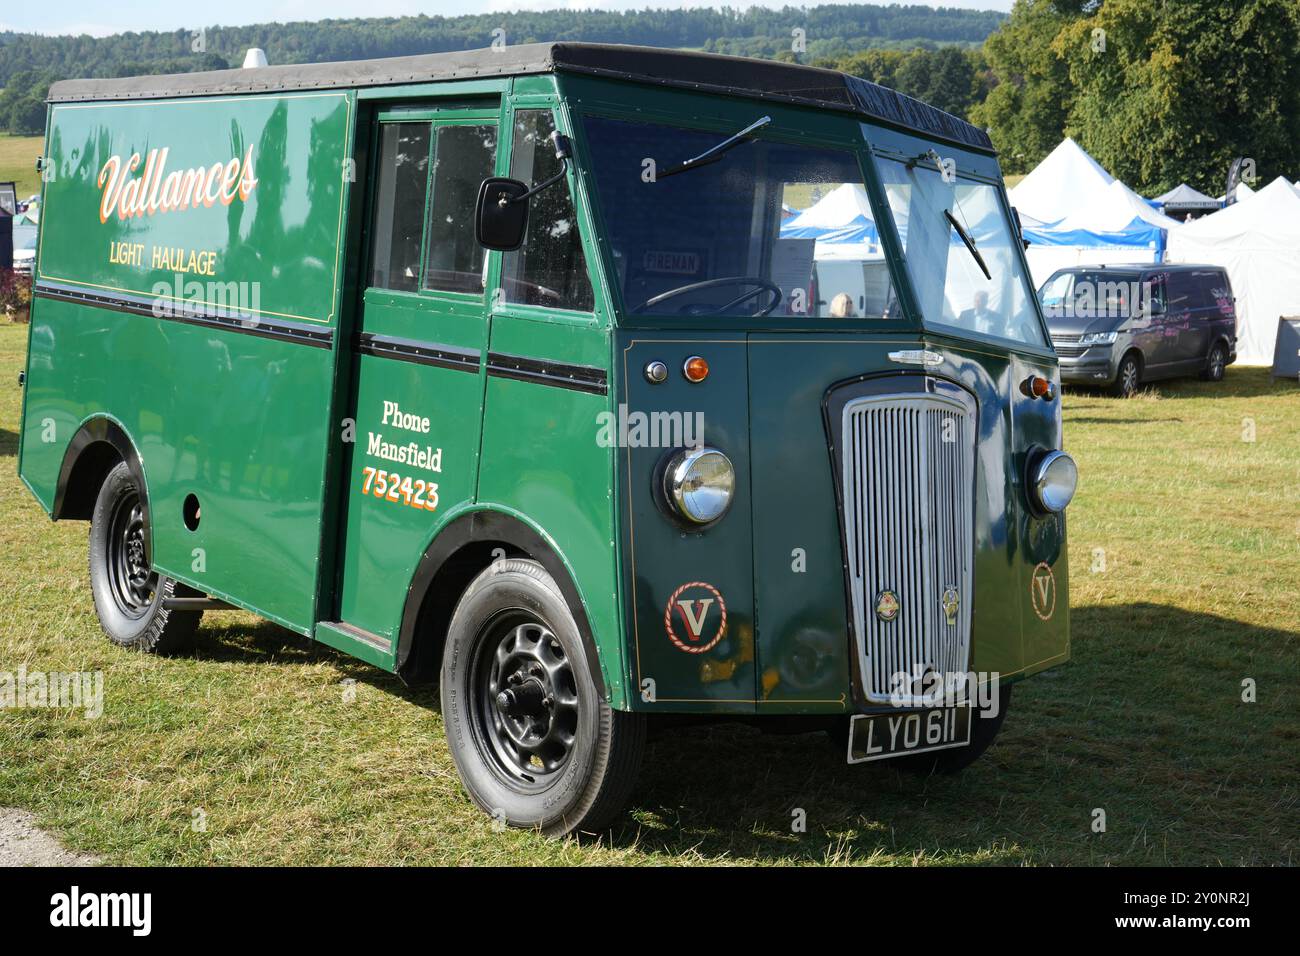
(759, 228)
(1099, 295)
(948, 269)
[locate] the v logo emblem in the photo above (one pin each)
(695, 619)
(693, 613)
(1042, 590)
(1044, 585)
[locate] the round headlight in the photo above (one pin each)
(1052, 481)
(699, 484)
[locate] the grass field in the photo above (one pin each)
(252, 737)
(18, 155)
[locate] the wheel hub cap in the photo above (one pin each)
(132, 580)
(526, 713)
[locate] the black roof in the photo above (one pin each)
(731, 75)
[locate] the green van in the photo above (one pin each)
(522, 370)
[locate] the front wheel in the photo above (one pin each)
(130, 597)
(1128, 378)
(535, 743)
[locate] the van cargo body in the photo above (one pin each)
(500, 369)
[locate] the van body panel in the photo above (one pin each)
(689, 590)
(282, 416)
(201, 320)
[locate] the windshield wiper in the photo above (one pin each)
(713, 154)
(970, 245)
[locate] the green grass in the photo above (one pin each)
(1201, 533)
(18, 155)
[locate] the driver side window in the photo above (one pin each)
(549, 269)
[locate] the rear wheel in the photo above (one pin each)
(1216, 363)
(535, 743)
(129, 595)
(1128, 378)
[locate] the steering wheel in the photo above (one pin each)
(763, 285)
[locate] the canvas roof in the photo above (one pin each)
(727, 75)
(1184, 196)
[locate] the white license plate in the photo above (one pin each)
(881, 736)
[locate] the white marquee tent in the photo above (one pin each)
(1257, 239)
(1079, 214)
(841, 222)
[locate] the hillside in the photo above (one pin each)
(830, 31)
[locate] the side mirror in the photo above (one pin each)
(501, 219)
(501, 216)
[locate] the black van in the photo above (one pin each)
(1120, 326)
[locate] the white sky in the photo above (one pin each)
(102, 17)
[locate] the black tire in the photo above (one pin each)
(982, 734)
(1128, 377)
(536, 745)
(1215, 363)
(128, 594)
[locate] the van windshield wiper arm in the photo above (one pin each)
(714, 153)
(970, 245)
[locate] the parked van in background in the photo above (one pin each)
(1121, 326)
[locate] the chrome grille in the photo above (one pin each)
(908, 513)
(1067, 345)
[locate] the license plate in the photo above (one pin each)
(881, 736)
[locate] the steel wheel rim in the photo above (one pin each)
(525, 701)
(1129, 374)
(131, 581)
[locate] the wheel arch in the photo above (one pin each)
(100, 443)
(453, 559)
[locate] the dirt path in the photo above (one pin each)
(22, 843)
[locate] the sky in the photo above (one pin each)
(100, 18)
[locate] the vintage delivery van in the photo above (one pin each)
(513, 370)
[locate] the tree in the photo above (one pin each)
(1177, 90)
(22, 102)
(1031, 95)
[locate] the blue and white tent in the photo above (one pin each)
(841, 222)
(1075, 213)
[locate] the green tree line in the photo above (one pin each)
(1159, 91)
(757, 31)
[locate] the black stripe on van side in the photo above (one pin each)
(189, 314)
(421, 353)
(580, 378)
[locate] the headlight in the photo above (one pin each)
(1099, 338)
(1053, 476)
(699, 484)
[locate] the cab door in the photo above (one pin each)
(418, 368)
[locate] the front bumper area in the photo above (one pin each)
(1092, 366)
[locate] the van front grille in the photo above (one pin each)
(1067, 346)
(908, 464)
